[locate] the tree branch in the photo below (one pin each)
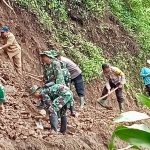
(4, 1)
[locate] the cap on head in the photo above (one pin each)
(53, 52)
(4, 29)
(104, 66)
(47, 53)
(148, 61)
(34, 89)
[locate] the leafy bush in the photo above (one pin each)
(135, 14)
(138, 135)
(87, 55)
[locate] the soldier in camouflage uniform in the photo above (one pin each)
(67, 77)
(55, 98)
(75, 75)
(66, 73)
(51, 68)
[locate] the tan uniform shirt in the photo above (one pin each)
(14, 47)
(115, 76)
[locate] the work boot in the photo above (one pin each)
(121, 107)
(82, 102)
(63, 124)
(72, 110)
(54, 121)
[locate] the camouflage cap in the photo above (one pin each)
(34, 89)
(53, 52)
(47, 53)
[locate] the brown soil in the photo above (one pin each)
(105, 31)
(91, 130)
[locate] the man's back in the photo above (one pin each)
(53, 72)
(72, 67)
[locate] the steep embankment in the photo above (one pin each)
(91, 130)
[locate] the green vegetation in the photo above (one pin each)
(137, 135)
(86, 54)
(134, 14)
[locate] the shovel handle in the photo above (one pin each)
(107, 94)
(32, 75)
(34, 78)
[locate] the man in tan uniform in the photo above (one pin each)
(12, 48)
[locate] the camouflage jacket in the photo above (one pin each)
(52, 91)
(66, 72)
(2, 93)
(53, 72)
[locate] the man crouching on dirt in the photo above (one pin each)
(55, 98)
(114, 78)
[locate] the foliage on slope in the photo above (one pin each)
(85, 53)
(54, 15)
(135, 16)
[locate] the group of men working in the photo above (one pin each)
(58, 72)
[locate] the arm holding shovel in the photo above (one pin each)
(115, 80)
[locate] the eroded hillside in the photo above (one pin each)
(92, 128)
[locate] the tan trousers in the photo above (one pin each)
(17, 63)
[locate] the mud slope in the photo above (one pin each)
(90, 130)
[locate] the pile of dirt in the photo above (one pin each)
(18, 128)
(90, 130)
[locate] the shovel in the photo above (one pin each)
(107, 107)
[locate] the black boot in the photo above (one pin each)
(121, 107)
(63, 124)
(72, 110)
(54, 122)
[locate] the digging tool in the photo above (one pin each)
(34, 78)
(10, 7)
(33, 75)
(107, 107)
